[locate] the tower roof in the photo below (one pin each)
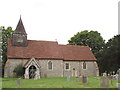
(20, 28)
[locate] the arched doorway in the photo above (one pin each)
(32, 72)
(32, 69)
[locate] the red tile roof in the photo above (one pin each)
(50, 50)
(76, 52)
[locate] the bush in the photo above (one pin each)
(19, 71)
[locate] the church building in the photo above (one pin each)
(47, 58)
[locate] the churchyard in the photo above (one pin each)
(60, 82)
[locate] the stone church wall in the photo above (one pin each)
(11, 64)
(91, 69)
(76, 68)
(57, 70)
(72, 65)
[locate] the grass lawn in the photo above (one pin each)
(54, 82)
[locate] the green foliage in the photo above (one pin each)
(111, 55)
(93, 39)
(19, 71)
(5, 33)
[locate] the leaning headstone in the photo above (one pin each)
(68, 78)
(84, 79)
(19, 82)
(104, 82)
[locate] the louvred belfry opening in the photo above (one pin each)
(19, 35)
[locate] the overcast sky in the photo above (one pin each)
(61, 19)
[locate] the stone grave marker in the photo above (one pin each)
(118, 84)
(19, 82)
(68, 78)
(104, 74)
(104, 82)
(84, 79)
(45, 75)
(119, 74)
(111, 79)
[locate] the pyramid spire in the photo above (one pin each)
(20, 28)
(20, 36)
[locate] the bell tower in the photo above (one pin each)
(19, 35)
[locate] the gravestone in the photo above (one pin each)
(104, 74)
(68, 78)
(19, 82)
(118, 84)
(119, 74)
(45, 75)
(84, 79)
(104, 82)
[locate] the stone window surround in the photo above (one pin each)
(65, 66)
(85, 66)
(48, 66)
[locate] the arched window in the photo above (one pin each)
(84, 65)
(49, 65)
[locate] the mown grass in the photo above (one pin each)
(54, 82)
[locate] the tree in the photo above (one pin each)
(6, 33)
(111, 54)
(93, 39)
